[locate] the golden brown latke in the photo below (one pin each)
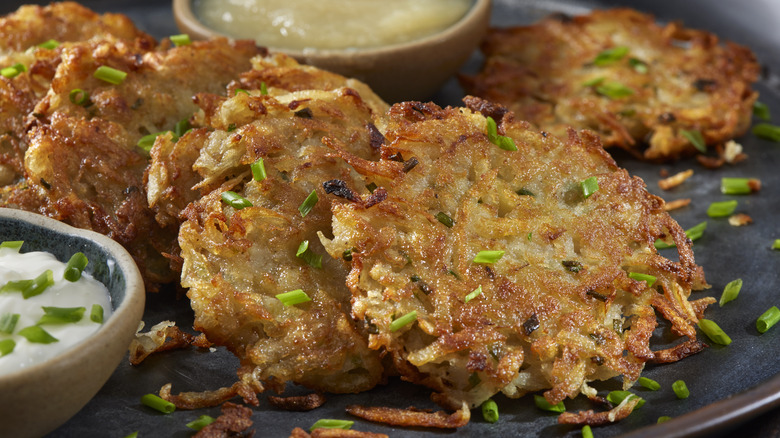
(669, 79)
(558, 309)
(237, 260)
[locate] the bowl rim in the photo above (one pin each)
(133, 299)
(186, 20)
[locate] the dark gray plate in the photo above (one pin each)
(728, 385)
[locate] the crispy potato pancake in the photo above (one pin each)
(642, 86)
(558, 308)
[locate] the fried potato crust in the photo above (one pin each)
(668, 80)
(558, 308)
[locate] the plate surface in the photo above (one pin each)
(728, 385)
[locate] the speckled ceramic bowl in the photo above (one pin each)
(399, 72)
(35, 400)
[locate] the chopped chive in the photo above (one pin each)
(587, 432)
(241, 90)
(13, 71)
(79, 97)
(593, 82)
(638, 65)
(75, 267)
(61, 315)
(488, 257)
(767, 131)
(96, 314)
(308, 203)
(147, 141)
(110, 75)
(16, 286)
(501, 141)
(39, 284)
(258, 170)
(649, 384)
(613, 90)
(328, 423)
(293, 297)
(473, 294)
(181, 40)
(610, 56)
(680, 389)
(697, 140)
(776, 244)
(544, 405)
(37, 335)
(714, 332)
(133, 435)
(8, 322)
(50, 45)
(693, 233)
(12, 244)
(201, 422)
(490, 411)
(730, 292)
(589, 186)
(181, 128)
(7, 346)
(347, 255)
(638, 276)
(663, 419)
(235, 200)
(305, 253)
(735, 186)
(722, 208)
(403, 321)
(617, 397)
(768, 319)
(445, 219)
(761, 110)
(263, 89)
(158, 404)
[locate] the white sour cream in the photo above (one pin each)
(330, 24)
(83, 293)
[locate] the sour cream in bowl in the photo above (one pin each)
(70, 303)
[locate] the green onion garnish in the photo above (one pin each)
(328, 423)
(638, 65)
(768, 319)
(735, 186)
(147, 141)
(730, 292)
(587, 432)
(693, 233)
(663, 419)
(617, 397)
(767, 131)
(7, 346)
(722, 208)
(638, 276)
(96, 314)
(37, 335)
(181, 40)
(75, 267)
(61, 315)
(613, 90)
(403, 321)
(473, 294)
(158, 404)
(293, 297)
(610, 56)
(445, 219)
(650, 384)
(593, 81)
(308, 203)
(79, 97)
(776, 244)
(589, 186)
(12, 244)
(39, 284)
(241, 90)
(110, 75)
(258, 170)
(543, 404)
(50, 45)
(488, 257)
(133, 435)
(761, 110)
(501, 141)
(697, 140)
(305, 253)
(8, 322)
(16, 286)
(201, 422)
(13, 71)
(263, 89)
(680, 389)
(714, 332)
(235, 200)
(181, 128)
(490, 411)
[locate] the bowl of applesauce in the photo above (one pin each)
(403, 49)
